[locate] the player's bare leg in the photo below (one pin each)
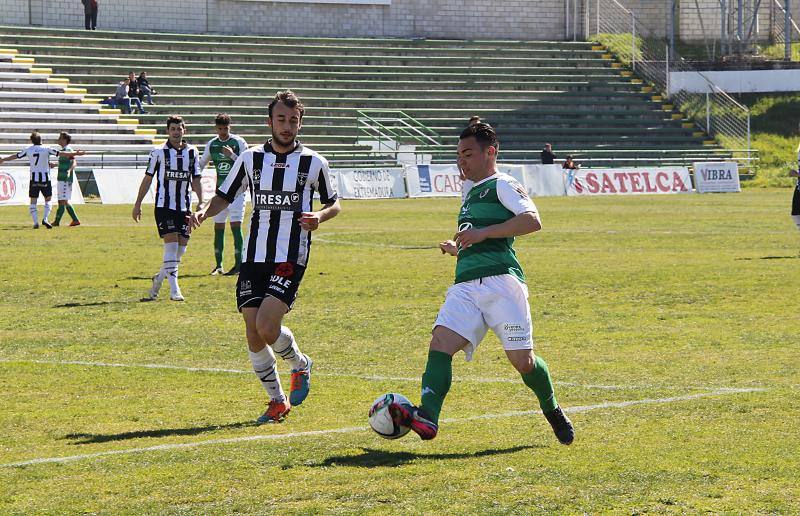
(283, 343)
(263, 360)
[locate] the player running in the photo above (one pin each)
(282, 176)
(175, 167)
(66, 176)
(39, 158)
(489, 289)
(224, 149)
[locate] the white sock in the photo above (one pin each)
(264, 367)
(47, 207)
(169, 268)
(181, 251)
(34, 213)
(287, 348)
(796, 219)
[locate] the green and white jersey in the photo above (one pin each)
(64, 164)
(222, 163)
(491, 201)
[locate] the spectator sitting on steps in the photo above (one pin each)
(123, 101)
(145, 90)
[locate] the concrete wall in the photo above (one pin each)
(510, 19)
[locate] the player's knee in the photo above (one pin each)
(522, 361)
(269, 332)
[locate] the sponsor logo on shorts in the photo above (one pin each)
(277, 280)
(513, 328)
(8, 187)
(285, 269)
(245, 288)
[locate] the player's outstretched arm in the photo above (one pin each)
(519, 225)
(310, 220)
(70, 155)
(8, 158)
(216, 205)
(143, 188)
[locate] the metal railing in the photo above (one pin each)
(712, 110)
(778, 24)
(390, 127)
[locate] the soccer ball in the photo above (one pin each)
(380, 419)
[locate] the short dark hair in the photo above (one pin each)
(65, 135)
(175, 119)
(36, 138)
(288, 99)
(474, 118)
(223, 119)
(483, 133)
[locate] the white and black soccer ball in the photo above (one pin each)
(380, 419)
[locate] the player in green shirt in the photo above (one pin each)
(66, 175)
(489, 289)
(223, 150)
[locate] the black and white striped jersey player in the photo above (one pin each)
(281, 176)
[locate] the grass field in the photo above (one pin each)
(670, 325)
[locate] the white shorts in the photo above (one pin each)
(497, 302)
(64, 190)
(234, 210)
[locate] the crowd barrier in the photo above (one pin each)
(120, 185)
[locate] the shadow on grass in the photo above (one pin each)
(96, 303)
(165, 432)
(795, 257)
(150, 278)
(371, 458)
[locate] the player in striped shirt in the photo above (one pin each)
(175, 165)
(39, 158)
(66, 176)
(282, 176)
(224, 149)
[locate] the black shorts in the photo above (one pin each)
(45, 188)
(259, 280)
(171, 221)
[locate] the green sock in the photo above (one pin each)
(59, 213)
(71, 212)
(238, 243)
(541, 384)
(436, 382)
(219, 245)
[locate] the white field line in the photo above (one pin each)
(353, 429)
(376, 378)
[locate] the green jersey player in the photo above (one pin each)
(66, 176)
(223, 150)
(489, 289)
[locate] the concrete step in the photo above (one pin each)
(296, 41)
(76, 127)
(124, 139)
(341, 48)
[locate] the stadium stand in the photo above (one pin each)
(571, 94)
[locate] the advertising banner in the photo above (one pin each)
(370, 183)
(717, 177)
(14, 182)
(628, 181)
